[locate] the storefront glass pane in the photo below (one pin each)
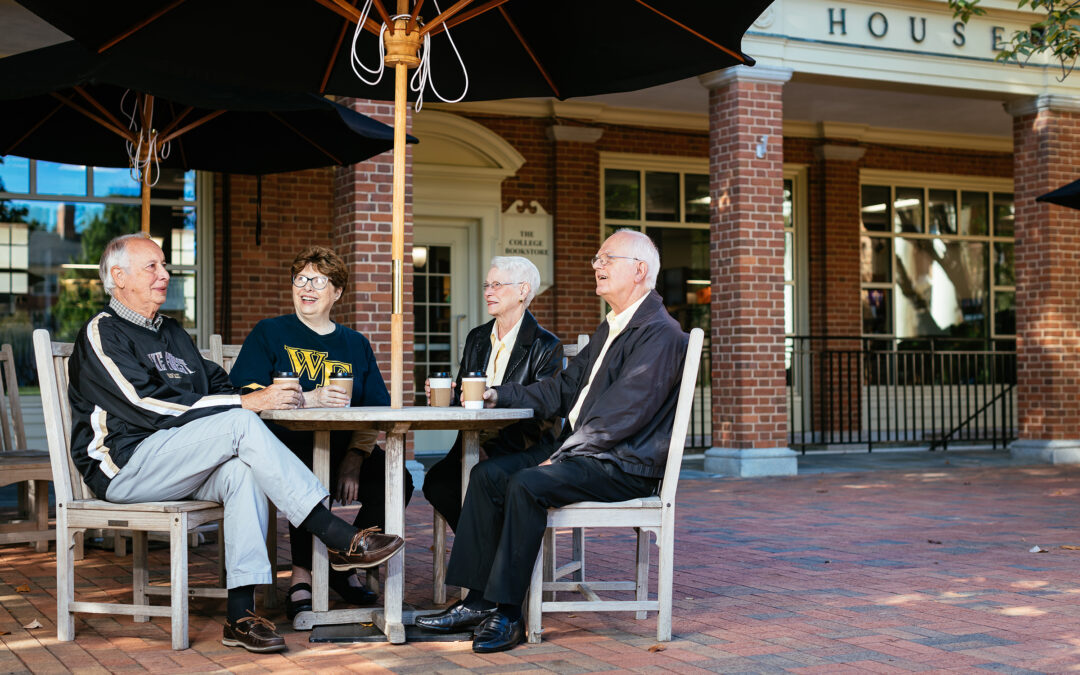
(973, 212)
(61, 179)
(114, 183)
(622, 194)
(942, 210)
(875, 208)
(1004, 219)
(876, 311)
(662, 196)
(908, 210)
(697, 197)
(684, 282)
(1005, 313)
(1004, 264)
(14, 174)
(941, 288)
(876, 257)
(789, 263)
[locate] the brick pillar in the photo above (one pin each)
(577, 213)
(1046, 152)
(746, 186)
(835, 283)
(361, 235)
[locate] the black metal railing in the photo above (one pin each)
(925, 392)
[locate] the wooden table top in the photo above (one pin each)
(385, 418)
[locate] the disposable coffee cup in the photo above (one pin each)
(441, 393)
(343, 380)
(286, 377)
(472, 390)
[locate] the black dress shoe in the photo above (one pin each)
(456, 618)
(498, 633)
(354, 595)
(294, 607)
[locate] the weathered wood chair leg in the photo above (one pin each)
(119, 544)
(578, 553)
(80, 545)
(534, 612)
(140, 572)
(550, 564)
(178, 561)
(40, 512)
(664, 580)
(438, 558)
(642, 571)
(65, 579)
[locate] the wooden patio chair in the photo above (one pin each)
(78, 510)
(28, 468)
(655, 514)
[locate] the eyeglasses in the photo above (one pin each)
(605, 259)
(318, 283)
(495, 285)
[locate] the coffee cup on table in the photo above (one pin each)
(343, 380)
(286, 377)
(441, 393)
(472, 390)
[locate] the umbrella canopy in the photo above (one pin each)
(63, 104)
(514, 48)
(1067, 195)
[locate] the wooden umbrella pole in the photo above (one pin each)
(144, 190)
(146, 131)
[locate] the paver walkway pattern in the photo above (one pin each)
(903, 570)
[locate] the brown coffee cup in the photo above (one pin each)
(343, 380)
(441, 392)
(286, 377)
(473, 386)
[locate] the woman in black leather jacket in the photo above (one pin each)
(524, 353)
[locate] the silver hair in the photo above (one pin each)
(521, 269)
(116, 255)
(641, 246)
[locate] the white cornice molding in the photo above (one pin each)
(1034, 104)
(889, 136)
(719, 78)
(839, 153)
(566, 133)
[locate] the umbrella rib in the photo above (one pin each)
(139, 26)
(350, 13)
(188, 127)
(412, 17)
(119, 131)
(31, 130)
(100, 108)
(739, 57)
(333, 54)
(177, 119)
(446, 16)
(465, 16)
(532, 55)
(383, 15)
(301, 135)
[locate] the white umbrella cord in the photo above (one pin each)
(145, 155)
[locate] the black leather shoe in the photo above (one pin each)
(498, 633)
(294, 607)
(457, 618)
(354, 595)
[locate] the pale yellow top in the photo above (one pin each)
(500, 352)
(616, 324)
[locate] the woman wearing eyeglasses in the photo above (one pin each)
(313, 347)
(512, 347)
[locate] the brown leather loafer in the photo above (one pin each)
(368, 548)
(254, 634)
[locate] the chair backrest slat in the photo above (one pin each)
(221, 354)
(9, 400)
(682, 416)
(52, 366)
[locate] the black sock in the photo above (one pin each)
(334, 532)
(475, 600)
(241, 601)
(512, 612)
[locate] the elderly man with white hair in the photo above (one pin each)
(153, 421)
(618, 397)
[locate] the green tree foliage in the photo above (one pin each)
(1057, 33)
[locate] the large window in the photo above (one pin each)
(55, 220)
(937, 259)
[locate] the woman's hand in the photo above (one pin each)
(330, 396)
(348, 487)
(274, 397)
(427, 388)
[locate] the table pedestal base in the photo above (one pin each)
(355, 632)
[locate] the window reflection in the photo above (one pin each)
(622, 194)
(941, 288)
(908, 210)
(661, 196)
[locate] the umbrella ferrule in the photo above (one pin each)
(402, 46)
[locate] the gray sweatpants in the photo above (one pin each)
(230, 458)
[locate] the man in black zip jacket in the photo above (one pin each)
(153, 421)
(618, 397)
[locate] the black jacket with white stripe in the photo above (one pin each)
(126, 382)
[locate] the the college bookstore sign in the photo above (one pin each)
(527, 232)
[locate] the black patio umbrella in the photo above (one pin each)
(1067, 195)
(65, 104)
(472, 50)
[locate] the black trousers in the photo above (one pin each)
(442, 482)
(371, 491)
(505, 513)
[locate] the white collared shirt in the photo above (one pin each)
(500, 352)
(616, 324)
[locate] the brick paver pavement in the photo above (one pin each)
(887, 571)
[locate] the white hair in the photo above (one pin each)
(641, 246)
(521, 269)
(116, 255)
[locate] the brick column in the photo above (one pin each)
(361, 235)
(577, 214)
(747, 239)
(1046, 152)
